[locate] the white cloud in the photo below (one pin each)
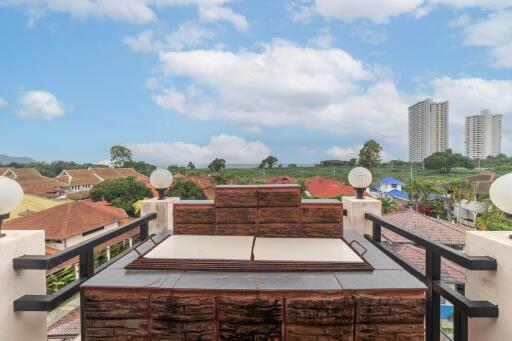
(142, 42)
(324, 39)
(40, 104)
(495, 32)
(285, 85)
(341, 153)
(233, 149)
(3, 103)
(468, 96)
(133, 11)
(369, 35)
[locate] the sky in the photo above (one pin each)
(191, 80)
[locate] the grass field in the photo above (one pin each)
(35, 204)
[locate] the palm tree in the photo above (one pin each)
(462, 189)
(388, 205)
(493, 220)
(419, 191)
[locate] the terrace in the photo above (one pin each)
(260, 263)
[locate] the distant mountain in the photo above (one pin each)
(5, 159)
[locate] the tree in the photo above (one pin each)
(462, 189)
(445, 161)
(191, 165)
(369, 155)
(493, 220)
(217, 165)
(141, 167)
(292, 165)
(352, 162)
(268, 162)
(119, 155)
(388, 205)
(419, 192)
(122, 193)
(186, 190)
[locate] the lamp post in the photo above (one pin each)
(500, 193)
(161, 180)
(360, 178)
(11, 195)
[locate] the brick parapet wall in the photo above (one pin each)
(121, 314)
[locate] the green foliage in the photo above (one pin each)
(493, 220)
(462, 189)
(445, 161)
(141, 167)
(292, 165)
(437, 209)
(369, 155)
(352, 162)
(122, 193)
(191, 165)
(419, 191)
(54, 168)
(59, 279)
(268, 162)
(186, 190)
(217, 165)
(119, 155)
(388, 205)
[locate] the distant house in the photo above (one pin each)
(481, 182)
(83, 180)
(390, 183)
(319, 187)
(34, 183)
(332, 163)
(285, 179)
(72, 223)
(204, 182)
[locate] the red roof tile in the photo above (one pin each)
(66, 327)
(328, 188)
(67, 220)
(78, 177)
(450, 271)
(434, 229)
(285, 179)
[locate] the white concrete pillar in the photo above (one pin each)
(21, 326)
(493, 286)
(107, 252)
(163, 209)
(356, 210)
(77, 271)
(130, 242)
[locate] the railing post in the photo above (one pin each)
(433, 314)
(144, 231)
(87, 263)
(460, 319)
(377, 233)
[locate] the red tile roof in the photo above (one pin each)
(115, 173)
(33, 182)
(66, 327)
(434, 229)
(450, 271)
(285, 179)
(328, 188)
(78, 177)
(68, 220)
(204, 182)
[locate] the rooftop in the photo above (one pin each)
(389, 180)
(328, 188)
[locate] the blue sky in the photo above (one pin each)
(190, 80)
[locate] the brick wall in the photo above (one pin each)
(144, 314)
(265, 211)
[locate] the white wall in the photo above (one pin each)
(21, 326)
(493, 286)
(79, 238)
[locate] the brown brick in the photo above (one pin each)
(236, 229)
(278, 215)
(202, 229)
(194, 214)
(279, 230)
(272, 197)
(322, 230)
(236, 197)
(320, 312)
(323, 333)
(238, 215)
(389, 309)
(318, 213)
(389, 332)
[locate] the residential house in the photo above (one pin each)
(390, 183)
(34, 183)
(319, 187)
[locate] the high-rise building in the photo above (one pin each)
(483, 135)
(428, 129)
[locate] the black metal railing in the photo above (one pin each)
(463, 307)
(85, 252)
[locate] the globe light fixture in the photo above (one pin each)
(161, 180)
(360, 178)
(500, 193)
(11, 195)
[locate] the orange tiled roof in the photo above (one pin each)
(68, 220)
(3, 170)
(33, 182)
(450, 271)
(106, 173)
(434, 229)
(78, 177)
(204, 182)
(285, 179)
(328, 188)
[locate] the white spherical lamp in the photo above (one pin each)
(360, 178)
(11, 195)
(161, 180)
(500, 193)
